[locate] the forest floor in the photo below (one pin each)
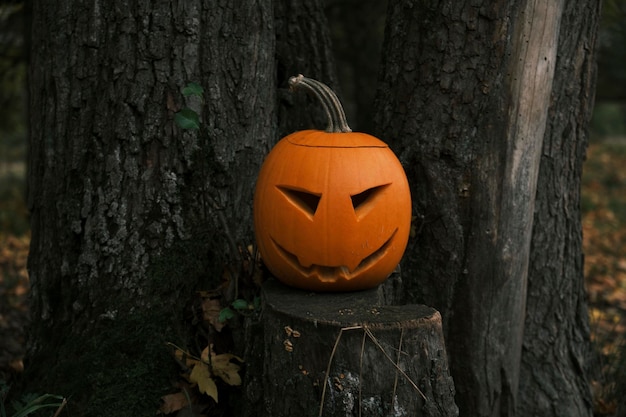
(604, 240)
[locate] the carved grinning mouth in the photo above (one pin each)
(333, 273)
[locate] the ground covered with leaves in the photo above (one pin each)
(13, 304)
(604, 235)
(604, 241)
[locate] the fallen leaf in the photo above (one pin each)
(227, 370)
(173, 402)
(185, 358)
(222, 365)
(201, 375)
(204, 356)
(211, 307)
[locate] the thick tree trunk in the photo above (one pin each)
(463, 101)
(553, 378)
(127, 208)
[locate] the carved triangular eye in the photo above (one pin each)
(305, 200)
(362, 198)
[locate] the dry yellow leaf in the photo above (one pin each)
(201, 375)
(184, 357)
(225, 369)
(221, 365)
(204, 356)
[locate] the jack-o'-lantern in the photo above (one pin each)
(332, 209)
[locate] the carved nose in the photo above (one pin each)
(336, 234)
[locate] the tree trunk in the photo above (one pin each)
(553, 378)
(462, 101)
(130, 213)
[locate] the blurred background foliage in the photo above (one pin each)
(609, 117)
(13, 125)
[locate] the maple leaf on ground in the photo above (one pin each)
(227, 370)
(201, 375)
(222, 365)
(184, 358)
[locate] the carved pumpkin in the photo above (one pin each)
(332, 209)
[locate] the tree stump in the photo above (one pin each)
(347, 354)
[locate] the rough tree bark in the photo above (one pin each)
(553, 375)
(463, 100)
(128, 210)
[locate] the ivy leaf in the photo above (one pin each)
(240, 304)
(257, 303)
(226, 314)
(193, 89)
(184, 357)
(187, 119)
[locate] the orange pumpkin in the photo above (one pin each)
(332, 209)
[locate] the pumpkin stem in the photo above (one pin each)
(337, 122)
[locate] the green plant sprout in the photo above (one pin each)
(188, 118)
(239, 306)
(30, 403)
